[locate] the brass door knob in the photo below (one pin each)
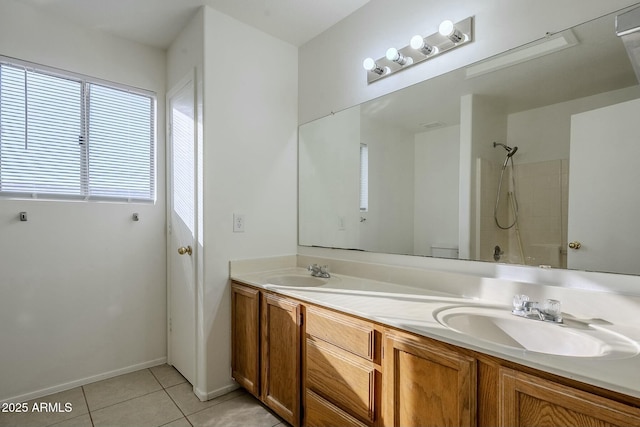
(182, 250)
(575, 245)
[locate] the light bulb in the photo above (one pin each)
(446, 28)
(450, 31)
(369, 64)
(417, 43)
(395, 56)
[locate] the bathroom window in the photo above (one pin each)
(364, 177)
(68, 136)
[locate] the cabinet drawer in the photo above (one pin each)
(341, 378)
(343, 331)
(320, 413)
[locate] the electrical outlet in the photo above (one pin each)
(238, 223)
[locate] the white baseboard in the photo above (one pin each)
(83, 381)
(204, 396)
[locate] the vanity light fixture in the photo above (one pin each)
(450, 36)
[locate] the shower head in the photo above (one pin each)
(506, 147)
(510, 152)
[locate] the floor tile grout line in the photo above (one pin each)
(75, 416)
(86, 402)
(171, 385)
(126, 400)
(215, 404)
(177, 406)
(156, 378)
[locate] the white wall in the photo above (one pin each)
(329, 191)
(82, 286)
(250, 166)
(332, 78)
(331, 73)
(486, 123)
(389, 221)
(436, 189)
(543, 133)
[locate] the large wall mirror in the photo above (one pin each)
(530, 157)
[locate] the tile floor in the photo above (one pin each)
(153, 397)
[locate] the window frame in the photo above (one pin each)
(85, 82)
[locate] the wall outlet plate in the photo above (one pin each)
(238, 223)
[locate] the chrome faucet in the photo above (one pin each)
(549, 311)
(319, 271)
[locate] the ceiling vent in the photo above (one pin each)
(431, 125)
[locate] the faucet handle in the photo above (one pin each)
(552, 307)
(519, 302)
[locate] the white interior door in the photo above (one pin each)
(182, 229)
(603, 189)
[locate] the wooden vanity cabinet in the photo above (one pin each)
(266, 348)
(346, 371)
(528, 400)
(427, 383)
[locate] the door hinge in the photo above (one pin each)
(301, 319)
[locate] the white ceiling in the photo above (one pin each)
(158, 22)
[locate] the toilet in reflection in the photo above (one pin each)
(444, 251)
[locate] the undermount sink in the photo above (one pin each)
(572, 339)
(297, 280)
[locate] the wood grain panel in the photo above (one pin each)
(321, 413)
(281, 356)
(245, 332)
(427, 385)
(341, 378)
(527, 400)
(488, 408)
(343, 331)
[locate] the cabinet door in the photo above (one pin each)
(245, 337)
(426, 384)
(526, 400)
(281, 356)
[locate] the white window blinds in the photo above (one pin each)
(70, 137)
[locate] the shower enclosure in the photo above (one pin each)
(522, 209)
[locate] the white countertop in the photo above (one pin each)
(413, 309)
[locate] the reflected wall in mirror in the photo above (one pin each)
(556, 134)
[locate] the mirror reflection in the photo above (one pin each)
(525, 158)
